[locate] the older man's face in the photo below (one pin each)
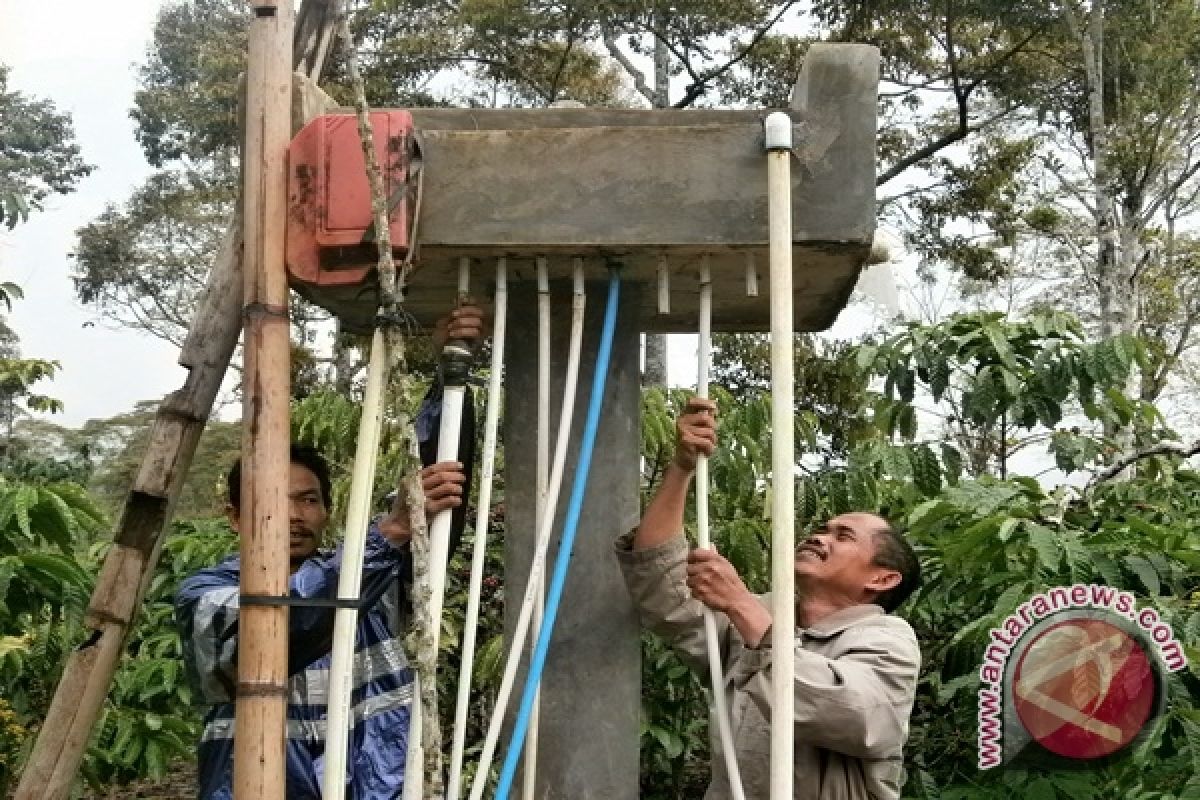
(837, 558)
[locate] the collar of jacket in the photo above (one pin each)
(842, 619)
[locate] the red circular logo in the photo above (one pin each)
(1084, 688)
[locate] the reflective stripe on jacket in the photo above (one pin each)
(856, 677)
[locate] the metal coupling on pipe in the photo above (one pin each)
(456, 361)
(778, 126)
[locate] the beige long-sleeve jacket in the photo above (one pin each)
(856, 675)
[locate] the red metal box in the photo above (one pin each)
(330, 234)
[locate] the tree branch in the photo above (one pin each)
(962, 95)
(638, 77)
(958, 134)
(700, 85)
(1160, 449)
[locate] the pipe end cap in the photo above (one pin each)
(779, 131)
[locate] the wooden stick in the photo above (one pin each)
(259, 746)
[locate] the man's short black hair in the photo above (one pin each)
(301, 454)
(892, 551)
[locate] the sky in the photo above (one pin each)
(81, 55)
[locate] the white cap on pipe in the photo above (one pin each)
(779, 131)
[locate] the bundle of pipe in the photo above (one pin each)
(563, 561)
(479, 551)
(545, 529)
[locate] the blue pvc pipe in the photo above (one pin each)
(570, 525)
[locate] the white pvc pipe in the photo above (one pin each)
(479, 552)
(664, 286)
(345, 620)
(537, 568)
(439, 554)
(713, 643)
(439, 529)
(783, 535)
(414, 758)
(751, 276)
(529, 775)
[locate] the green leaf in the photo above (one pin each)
(1001, 345)
(25, 498)
(1145, 573)
(670, 742)
(939, 378)
(907, 422)
(1008, 528)
(927, 472)
(866, 356)
(981, 499)
(952, 462)
(1041, 789)
(1048, 412)
(952, 687)
(839, 495)
(895, 462)
(810, 500)
(156, 763)
(1045, 542)
(864, 494)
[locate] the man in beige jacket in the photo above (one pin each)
(856, 664)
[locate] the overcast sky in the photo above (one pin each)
(80, 55)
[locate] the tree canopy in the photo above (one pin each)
(38, 153)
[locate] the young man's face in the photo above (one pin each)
(307, 515)
(836, 560)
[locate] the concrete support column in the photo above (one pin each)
(591, 688)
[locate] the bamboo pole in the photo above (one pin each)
(711, 640)
(783, 456)
(261, 710)
(358, 515)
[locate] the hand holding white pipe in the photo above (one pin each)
(442, 484)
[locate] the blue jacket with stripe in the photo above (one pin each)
(381, 695)
(206, 610)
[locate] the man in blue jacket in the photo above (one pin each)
(206, 608)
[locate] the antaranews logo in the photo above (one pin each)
(1075, 673)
